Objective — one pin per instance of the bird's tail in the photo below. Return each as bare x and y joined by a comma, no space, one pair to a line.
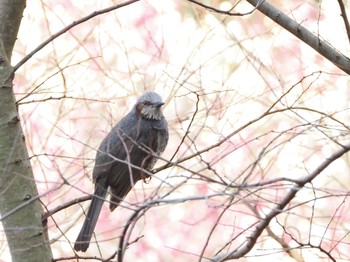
83,240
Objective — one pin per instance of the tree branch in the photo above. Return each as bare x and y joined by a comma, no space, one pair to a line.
216,10
264,222
67,28
11,13
345,18
314,41
323,48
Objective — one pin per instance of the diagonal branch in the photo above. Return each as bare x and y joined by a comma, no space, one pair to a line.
323,48
264,222
314,41
219,11
345,17
67,28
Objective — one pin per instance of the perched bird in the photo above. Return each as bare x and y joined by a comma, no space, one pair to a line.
130,147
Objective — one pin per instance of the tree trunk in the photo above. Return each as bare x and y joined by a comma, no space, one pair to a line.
19,203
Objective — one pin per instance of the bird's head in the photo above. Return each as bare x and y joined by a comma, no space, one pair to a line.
149,105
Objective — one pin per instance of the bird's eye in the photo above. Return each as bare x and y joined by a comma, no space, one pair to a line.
146,103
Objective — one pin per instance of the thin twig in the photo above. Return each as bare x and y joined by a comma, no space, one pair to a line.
67,28
263,224
345,18
219,11
188,128
65,205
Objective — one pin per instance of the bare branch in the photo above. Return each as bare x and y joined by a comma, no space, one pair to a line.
345,18
219,11
322,47
64,206
67,28
263,224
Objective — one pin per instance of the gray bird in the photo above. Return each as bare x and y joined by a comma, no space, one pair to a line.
132,145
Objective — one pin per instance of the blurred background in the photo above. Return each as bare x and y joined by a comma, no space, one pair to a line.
250,108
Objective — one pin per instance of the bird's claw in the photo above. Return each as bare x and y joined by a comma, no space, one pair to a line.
146,178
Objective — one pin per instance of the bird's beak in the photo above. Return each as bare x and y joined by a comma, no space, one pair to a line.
159,104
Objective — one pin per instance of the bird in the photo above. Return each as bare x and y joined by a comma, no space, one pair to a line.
132,146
